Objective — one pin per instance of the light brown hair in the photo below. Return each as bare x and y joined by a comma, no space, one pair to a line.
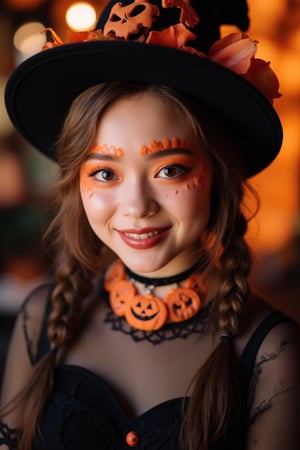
224,256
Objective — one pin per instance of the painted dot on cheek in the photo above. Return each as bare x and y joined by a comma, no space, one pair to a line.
90,193
198,181
87,191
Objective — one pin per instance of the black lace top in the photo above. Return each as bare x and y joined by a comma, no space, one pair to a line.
85,413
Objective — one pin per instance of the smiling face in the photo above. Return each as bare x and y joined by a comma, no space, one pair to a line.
146,185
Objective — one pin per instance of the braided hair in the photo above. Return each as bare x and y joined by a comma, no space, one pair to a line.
80,260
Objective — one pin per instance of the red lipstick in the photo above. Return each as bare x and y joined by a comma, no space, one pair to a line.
143,238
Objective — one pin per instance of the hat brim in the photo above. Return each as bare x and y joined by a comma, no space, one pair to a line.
40,91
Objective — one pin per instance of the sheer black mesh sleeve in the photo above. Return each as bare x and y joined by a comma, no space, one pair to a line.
27,343
8,436
274,401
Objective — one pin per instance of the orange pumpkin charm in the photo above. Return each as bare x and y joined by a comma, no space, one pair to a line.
115,273
182,303
146,312
196,282
120,294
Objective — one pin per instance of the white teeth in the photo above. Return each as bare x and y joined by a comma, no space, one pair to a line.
143,235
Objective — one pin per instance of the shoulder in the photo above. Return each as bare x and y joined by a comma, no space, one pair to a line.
35,304
273,393
37,299
32,318
269,349
265,327
279,350
25,342
34,313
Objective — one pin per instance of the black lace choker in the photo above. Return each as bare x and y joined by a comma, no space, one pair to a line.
160,281
195,325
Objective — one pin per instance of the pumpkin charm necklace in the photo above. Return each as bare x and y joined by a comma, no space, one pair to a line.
147,312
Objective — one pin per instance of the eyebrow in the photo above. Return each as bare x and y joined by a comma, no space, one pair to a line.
102,157
151,156
168,151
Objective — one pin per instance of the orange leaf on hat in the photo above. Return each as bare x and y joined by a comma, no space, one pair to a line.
86,36
175,36
234,52
187,14
263,78
55,39
77,36
73,37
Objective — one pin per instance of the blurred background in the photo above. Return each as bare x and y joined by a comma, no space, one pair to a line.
26,177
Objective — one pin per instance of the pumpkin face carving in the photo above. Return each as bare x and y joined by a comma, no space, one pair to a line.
120,294
182,304
146,312
131,21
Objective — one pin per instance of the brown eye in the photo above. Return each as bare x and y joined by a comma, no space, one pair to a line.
104,175
172,171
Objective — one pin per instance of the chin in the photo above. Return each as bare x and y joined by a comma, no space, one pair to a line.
149,265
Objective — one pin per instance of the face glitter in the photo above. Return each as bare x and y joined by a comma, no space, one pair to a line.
166,144
198,181
108,150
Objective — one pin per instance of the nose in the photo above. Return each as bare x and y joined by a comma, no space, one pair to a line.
137,200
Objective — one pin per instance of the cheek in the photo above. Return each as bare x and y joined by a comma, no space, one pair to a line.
96,203
190,196
189,203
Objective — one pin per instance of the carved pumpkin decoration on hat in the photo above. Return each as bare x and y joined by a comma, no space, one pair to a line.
131,21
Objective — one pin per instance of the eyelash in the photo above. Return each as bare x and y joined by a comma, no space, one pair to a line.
181,170
94,173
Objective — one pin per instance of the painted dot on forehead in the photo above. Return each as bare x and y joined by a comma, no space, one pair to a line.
166,144
112,150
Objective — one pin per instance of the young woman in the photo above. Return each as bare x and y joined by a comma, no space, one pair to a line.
157,343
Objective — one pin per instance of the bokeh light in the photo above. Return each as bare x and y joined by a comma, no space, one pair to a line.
29,38
81,16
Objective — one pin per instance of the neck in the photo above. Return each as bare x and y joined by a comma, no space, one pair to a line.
160,281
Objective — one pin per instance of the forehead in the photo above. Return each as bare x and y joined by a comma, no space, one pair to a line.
140,119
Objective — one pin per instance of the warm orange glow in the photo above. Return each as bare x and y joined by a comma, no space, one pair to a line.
23,5
276,25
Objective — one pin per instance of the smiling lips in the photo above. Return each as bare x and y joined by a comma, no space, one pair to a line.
143,238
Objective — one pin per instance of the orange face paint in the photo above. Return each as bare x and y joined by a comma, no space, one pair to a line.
86,189
190,168
166,144
92,165
198,181
108,150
